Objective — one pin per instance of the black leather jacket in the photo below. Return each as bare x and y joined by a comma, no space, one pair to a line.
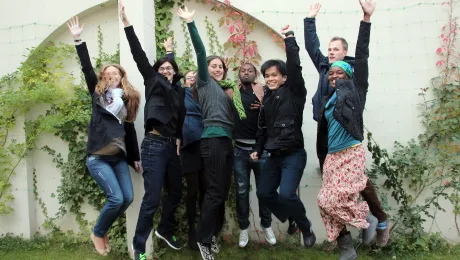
281,115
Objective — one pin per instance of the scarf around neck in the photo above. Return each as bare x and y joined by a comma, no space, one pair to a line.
226,84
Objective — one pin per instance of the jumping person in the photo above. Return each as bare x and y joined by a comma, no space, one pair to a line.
337,51
245,139
191,157
112,141
216,141
339,137
280,133
164,114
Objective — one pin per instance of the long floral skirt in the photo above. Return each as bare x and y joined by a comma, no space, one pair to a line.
343,179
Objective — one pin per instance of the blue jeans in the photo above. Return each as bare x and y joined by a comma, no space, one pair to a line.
161,165
243,164
284,169
111,173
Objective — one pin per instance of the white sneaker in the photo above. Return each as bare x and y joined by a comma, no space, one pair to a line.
244,237
269,235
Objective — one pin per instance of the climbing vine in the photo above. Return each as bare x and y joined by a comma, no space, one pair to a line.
215,48
430,165
38,80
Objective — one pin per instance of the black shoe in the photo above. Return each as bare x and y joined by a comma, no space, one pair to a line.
309,240
292,229
170,240
138,255
214,245
205,251
192,242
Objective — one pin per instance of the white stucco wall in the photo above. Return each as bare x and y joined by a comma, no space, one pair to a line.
402,60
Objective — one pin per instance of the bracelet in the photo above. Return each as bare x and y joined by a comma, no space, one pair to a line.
79,40
289,33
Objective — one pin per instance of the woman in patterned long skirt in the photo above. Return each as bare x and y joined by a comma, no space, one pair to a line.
340,133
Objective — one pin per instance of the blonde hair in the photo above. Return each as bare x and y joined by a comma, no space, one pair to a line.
131,96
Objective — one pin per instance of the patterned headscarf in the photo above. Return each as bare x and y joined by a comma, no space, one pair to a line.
225,84
345,66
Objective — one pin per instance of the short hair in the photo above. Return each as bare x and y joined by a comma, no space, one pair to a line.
279,64
213,57
161,61
344,42
255,69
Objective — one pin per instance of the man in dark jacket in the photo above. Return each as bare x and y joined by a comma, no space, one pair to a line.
280,133
337,51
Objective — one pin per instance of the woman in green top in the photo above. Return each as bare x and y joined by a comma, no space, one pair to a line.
216,144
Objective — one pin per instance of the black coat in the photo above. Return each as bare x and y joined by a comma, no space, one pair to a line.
104,126
351,97
321,63
163,99
281,115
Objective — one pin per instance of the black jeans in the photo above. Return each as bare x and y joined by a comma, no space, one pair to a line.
196,185
161,166
243,165
284,170
217,154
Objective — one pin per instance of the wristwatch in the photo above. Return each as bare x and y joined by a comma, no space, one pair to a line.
289,33
79,40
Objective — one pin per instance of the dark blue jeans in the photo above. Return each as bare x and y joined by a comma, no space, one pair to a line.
243,164
111,173
284,169
161,165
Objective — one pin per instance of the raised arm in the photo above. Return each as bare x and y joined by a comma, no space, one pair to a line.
361,72
198,45
294,79
82,51
311,38
138,53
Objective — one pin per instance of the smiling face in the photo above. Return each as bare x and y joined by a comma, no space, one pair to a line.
336,51
216,69
336,73
247,74
113,75
166,69
273,78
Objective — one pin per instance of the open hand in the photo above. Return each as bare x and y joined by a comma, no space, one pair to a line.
285,29
75,28
168,44
123,16
368,6
314,9
185,14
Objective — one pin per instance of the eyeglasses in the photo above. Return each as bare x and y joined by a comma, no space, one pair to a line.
189,78
161,69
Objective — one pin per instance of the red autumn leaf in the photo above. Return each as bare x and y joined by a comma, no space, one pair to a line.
439,63
227,21
241,37
231,29
442,35
439,51
227,2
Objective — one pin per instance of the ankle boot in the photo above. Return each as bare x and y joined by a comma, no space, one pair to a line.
346,249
